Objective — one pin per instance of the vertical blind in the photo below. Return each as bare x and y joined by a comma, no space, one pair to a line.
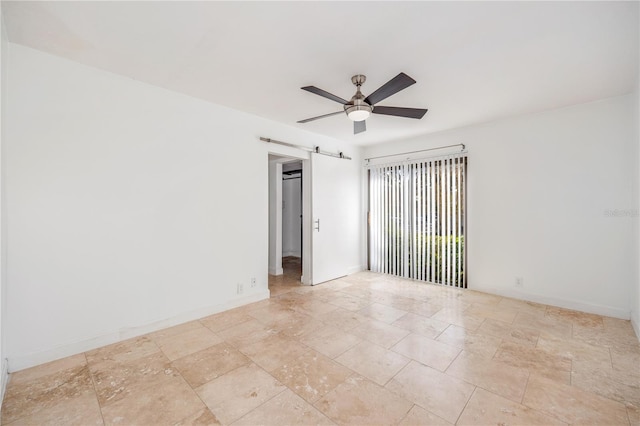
417,219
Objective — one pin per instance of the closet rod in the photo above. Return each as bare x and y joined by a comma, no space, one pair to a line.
315,149
415,152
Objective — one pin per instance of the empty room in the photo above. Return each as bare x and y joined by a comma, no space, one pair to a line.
298,213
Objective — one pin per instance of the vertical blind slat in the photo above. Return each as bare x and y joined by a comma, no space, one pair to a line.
384,221
407,216
420,195
449,224
458,212
432,222
372,232
443,230
445,221
401,239
414,223
394,215
374,220
464,220
428,222
380,224
388,221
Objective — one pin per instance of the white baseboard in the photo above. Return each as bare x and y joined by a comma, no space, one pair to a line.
276,271
291,254
350,270
635,322
354,269
608,311
20,362
4,380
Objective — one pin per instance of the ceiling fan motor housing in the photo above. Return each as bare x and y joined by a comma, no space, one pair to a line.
357,109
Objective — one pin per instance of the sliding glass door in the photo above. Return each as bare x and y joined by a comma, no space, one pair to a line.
417,219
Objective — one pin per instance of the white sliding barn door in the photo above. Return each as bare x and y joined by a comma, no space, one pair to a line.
335,206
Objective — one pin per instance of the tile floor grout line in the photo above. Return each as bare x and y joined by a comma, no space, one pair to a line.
525,387
312,404
571,373
610,357
548,414
286,388
346,350
493,392
206,407
629,417
320,411
237,368
495,352
222,375
465,405
95,388
407,413
269,399
440,334
452,361
399,371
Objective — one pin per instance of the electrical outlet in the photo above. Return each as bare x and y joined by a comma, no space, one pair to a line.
519,282
240,288
253,282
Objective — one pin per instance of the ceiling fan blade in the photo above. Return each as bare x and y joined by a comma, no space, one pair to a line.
320,116
400,112
359,127
325,94
391,87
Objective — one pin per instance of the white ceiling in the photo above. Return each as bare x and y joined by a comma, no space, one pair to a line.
473,61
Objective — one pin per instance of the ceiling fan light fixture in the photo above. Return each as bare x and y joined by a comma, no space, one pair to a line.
358,112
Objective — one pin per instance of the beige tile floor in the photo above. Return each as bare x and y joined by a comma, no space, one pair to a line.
364,349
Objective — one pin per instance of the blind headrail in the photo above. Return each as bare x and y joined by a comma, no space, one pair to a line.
415,152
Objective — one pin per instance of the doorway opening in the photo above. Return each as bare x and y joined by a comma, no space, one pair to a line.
292,219
288,244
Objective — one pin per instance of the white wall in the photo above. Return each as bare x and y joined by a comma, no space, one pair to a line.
291,220
4,49
539,191
275,217
123,217
635,313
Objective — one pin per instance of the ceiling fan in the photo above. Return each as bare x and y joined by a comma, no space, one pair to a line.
360,108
